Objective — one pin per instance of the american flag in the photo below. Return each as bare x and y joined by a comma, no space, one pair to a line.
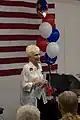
19,24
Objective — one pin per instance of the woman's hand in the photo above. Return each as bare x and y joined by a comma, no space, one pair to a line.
44,83
40,82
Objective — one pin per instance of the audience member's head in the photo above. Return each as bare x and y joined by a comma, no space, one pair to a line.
28,112
68,104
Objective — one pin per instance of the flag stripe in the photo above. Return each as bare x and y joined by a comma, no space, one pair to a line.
18,32
18,71
23,4
15,66
17,60
13,60
12,54
18,26
18,43
20,20
13,49
21,9
20,15
18,37
10,72
15,54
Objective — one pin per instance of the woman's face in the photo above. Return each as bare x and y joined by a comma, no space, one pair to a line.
35,58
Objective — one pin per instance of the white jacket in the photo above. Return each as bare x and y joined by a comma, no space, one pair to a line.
28,92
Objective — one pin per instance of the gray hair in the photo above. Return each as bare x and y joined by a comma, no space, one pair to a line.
32,49
28,112
68,102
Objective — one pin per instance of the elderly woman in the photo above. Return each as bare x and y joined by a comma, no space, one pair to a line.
28,112
68,104
33,81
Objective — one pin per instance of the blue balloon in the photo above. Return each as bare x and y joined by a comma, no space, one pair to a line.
49,60
54,36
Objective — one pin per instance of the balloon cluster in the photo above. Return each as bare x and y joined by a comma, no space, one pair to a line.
48,38
48,33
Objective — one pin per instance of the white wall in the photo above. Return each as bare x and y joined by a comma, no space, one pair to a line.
59,12
10,96
68,22
72,38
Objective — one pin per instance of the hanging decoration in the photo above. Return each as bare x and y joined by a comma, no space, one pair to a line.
50,19
47,41
52,49
49,60
42,43
42,8
54,35
45,30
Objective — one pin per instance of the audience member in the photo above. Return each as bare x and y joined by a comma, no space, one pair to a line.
28,112
68,105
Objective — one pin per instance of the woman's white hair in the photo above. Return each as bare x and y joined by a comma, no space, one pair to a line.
28,112
32,49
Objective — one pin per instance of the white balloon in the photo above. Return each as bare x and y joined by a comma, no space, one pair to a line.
45,29
52,49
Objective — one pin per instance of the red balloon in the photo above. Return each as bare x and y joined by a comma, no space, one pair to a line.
42,43
50,19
